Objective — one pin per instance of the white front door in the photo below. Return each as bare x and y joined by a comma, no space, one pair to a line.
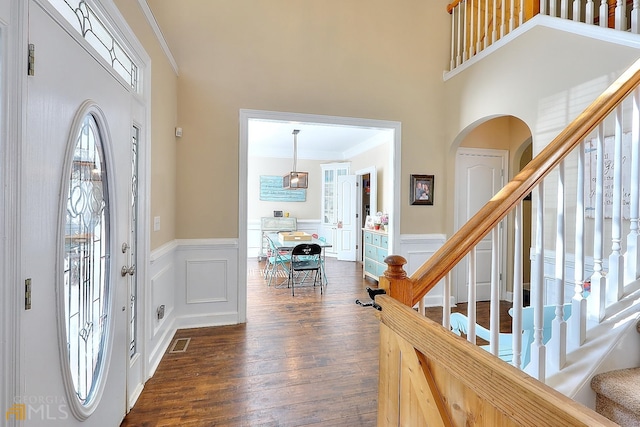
75,201
347,218
479,175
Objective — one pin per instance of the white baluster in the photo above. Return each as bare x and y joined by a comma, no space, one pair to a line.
604,13
588,11
537,366
479,30
621,15
558,343
494,312
597,299
632,256
465,53
553,11
543,7
578,319
516,324
459,50
503,22
564,9
494,33
486,24
577,10
615,281
635,17
471,299
521,20
512,16
472,31
446,302
452,65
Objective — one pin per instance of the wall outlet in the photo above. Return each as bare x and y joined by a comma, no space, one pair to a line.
156,223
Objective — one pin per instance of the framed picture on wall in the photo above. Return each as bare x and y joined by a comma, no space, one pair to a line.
421,191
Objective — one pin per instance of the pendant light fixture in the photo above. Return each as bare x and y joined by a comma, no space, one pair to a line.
295,180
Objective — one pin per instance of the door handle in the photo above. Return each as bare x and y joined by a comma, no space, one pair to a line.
128,270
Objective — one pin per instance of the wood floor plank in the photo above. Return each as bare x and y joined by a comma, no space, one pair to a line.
308,360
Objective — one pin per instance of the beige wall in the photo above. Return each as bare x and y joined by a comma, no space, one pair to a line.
380,158
164,104
359,58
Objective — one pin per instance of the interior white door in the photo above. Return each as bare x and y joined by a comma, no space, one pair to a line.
479,175
66,78
347,218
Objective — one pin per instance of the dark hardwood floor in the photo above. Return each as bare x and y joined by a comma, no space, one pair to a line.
308,360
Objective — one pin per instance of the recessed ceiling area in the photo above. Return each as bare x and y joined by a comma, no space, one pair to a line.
316,141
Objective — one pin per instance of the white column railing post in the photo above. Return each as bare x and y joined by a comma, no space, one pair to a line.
452,63
543,7
494,32
465,41
604,13
553,9
521,20
632,256
446,302
577,10
537,366
596,302
516,323
615,280
471,297
588,11
578,319
479,27
564,9
503,22
635,17
459,50
621,15
487,39
494,311
558,343
512,16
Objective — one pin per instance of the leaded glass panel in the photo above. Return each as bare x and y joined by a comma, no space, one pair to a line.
86,261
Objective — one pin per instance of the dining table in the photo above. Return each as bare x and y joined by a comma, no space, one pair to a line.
288,245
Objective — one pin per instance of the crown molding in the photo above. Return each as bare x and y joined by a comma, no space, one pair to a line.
146,10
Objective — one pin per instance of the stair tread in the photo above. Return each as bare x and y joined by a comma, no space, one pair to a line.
621,386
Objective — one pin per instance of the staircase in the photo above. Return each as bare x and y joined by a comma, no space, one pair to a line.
585,252
618,394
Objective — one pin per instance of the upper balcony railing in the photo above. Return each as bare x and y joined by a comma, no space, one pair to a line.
478,24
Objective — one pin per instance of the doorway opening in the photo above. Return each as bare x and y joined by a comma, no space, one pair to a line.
275,153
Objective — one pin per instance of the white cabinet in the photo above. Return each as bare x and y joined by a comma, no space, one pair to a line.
274,225
329,214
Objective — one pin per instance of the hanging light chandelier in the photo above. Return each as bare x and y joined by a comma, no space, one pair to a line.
295,180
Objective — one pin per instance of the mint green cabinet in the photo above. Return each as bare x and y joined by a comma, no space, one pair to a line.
376,249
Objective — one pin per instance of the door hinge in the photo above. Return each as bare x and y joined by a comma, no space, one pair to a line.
31,67
27,294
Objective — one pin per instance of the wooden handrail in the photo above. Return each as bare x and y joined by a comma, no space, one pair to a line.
522,399
488,217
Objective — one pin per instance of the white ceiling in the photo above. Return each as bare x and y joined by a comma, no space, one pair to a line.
316,141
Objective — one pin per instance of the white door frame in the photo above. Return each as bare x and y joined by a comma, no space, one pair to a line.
244,117
504,154
13,91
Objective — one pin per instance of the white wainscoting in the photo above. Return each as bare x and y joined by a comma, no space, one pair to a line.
159,332
416,249
197,282
207,282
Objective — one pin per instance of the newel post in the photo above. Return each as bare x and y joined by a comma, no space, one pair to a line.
395,280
